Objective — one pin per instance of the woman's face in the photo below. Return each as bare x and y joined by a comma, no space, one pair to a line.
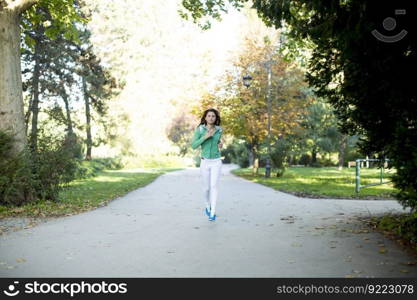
210,117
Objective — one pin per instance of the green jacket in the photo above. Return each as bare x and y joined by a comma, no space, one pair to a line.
209,147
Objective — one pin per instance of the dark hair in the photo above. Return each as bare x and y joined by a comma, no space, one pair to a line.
203,118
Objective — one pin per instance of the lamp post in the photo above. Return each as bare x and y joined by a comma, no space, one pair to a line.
246,82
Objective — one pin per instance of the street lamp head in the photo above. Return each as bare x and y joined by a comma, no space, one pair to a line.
247,79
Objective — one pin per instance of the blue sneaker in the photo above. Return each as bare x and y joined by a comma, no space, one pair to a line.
207,211
212,218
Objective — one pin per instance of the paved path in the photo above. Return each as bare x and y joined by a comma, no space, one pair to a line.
160,231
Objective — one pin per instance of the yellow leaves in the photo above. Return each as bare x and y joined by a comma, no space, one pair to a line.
382,250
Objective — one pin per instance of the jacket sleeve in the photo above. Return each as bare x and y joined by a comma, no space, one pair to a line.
220,137
197,139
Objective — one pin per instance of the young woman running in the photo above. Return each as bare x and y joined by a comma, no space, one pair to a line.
208,135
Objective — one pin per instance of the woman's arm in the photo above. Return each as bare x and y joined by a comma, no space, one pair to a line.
197,139
220,142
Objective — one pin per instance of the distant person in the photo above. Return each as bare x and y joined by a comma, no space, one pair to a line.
208,134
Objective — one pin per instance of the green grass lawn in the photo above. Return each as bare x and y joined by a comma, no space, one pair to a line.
323,182
87,194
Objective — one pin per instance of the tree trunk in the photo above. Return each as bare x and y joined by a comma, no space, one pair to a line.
290,160
250,156
28,114
35,102
12,117
255,159
88,120
314,155
68,111
342,151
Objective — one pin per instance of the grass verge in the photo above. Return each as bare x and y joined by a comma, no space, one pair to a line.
399,227
87,194
323,182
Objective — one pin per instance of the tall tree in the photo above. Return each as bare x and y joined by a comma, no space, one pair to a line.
11,100
97,84
321,134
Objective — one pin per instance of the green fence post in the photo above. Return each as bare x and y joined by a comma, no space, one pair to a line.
358,180
382,170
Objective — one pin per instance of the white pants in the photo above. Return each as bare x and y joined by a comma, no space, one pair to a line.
210,170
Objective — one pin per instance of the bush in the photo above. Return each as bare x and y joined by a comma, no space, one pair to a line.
91,168
241,154
305,159
17,183
352,155
325,162
403,225
36,174
279,155
228,154
316,164
236,153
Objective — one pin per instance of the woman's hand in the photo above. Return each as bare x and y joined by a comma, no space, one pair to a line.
209,133
220,144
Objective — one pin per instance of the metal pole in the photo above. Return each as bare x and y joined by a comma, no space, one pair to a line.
358,179
382,171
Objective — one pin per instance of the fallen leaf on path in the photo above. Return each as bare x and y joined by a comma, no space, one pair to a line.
382,250
20,259
404,271
409,263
